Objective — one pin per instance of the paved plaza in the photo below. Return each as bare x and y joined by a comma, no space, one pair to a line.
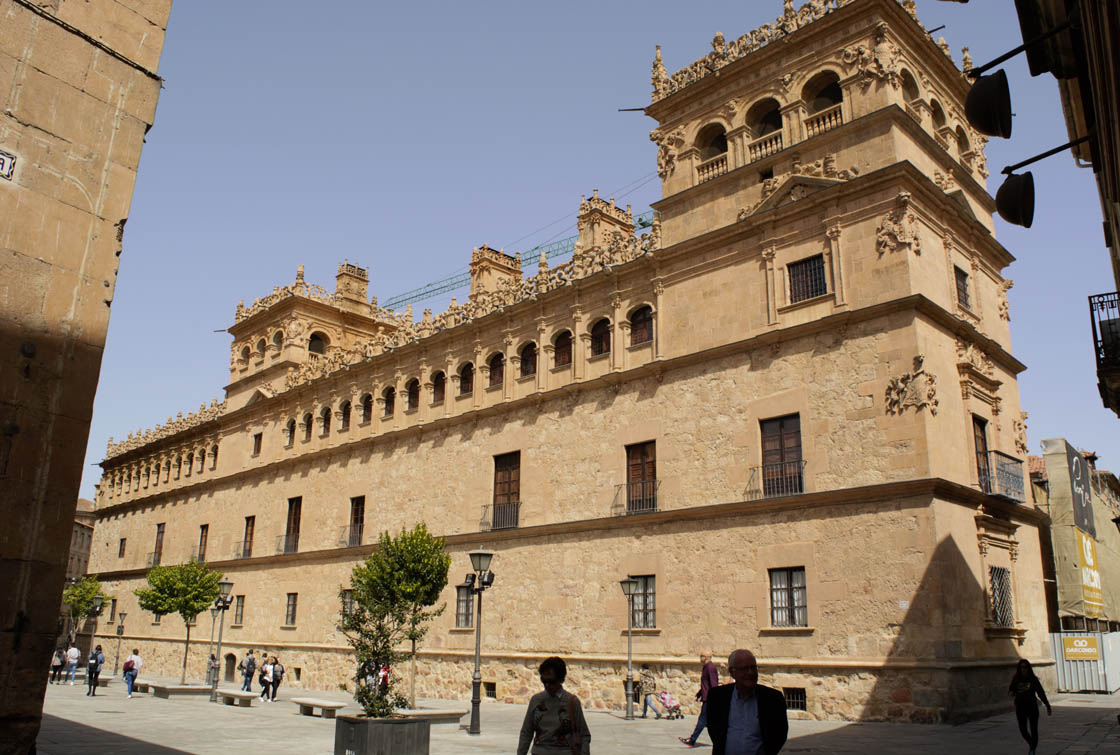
74,724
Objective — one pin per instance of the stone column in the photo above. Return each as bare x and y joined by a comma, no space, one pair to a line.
768,253
617,348
544,364
793,123
580,341
622,348
479,376
833,261
450,384
425,391
658,298
511,363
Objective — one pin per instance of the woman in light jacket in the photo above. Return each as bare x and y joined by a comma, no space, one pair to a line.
554,723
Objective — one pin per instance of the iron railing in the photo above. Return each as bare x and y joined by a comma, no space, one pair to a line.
154,558
635,497
1001,475
243,549
351,535
775,480
1104,313
287,543
501,516
199,555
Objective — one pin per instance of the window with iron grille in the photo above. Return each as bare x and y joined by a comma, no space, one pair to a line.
497,369
439,387
641,326
238,609
1003,615
600,337
464,607
157,618
347,601
290,611
641,477
962,287
788,598
529,360
782,465
491,689
563,354
645,602
466,379
795,698
507,478
120,548
807,279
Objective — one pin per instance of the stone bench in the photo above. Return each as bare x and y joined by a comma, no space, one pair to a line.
435,715
167,691
244,699
307,706
141,687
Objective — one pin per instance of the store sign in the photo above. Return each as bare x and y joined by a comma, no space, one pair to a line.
7,165
1080,486
1081,648
1091,594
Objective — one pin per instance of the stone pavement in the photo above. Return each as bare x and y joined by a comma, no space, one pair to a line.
74,724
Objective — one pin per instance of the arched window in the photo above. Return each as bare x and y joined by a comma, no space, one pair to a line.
641,326
601,337
466,379
937,114
344,420
563,349
497,366
962,141
367,407
167,471
202,460
412,395
389,401
290,432
245,354
307,423
190,464
822,92
278,340
764,118
214,456
711,141
529,359
261,346
909,87
439,387
317,343
325,420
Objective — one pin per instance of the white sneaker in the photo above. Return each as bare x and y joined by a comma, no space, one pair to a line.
71,684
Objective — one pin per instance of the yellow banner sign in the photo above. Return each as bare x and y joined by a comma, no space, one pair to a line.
1091,594
1081,648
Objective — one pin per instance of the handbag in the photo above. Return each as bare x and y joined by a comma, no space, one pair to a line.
128,666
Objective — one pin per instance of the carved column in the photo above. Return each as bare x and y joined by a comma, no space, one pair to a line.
616,332
399,402
832,260
510,367
580,343
450,384
793,123
425,391
658,299
622,348
768,253
544,356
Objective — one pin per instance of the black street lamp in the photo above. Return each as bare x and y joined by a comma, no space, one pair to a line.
94,612
210,648
629,587
222,604
477,582
120,634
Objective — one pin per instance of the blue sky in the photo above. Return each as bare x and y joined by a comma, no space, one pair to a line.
401,135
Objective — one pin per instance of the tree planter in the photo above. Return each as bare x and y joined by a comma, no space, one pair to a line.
357,735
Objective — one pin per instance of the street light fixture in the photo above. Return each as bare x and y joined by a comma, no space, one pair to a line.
221,604
629,587
120,634
93,613
481,579
210,647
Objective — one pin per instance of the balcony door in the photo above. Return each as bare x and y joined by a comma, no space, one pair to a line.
983,462
641,477
781,456
507,490
291,531
357,520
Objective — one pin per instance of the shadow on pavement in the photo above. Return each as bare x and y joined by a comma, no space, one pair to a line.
59,735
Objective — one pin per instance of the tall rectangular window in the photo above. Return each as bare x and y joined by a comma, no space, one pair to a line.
238,609
645,603
807,279
962,287
788,598
563,349
291,529
156,618
1003,612
120,548
357,520
347,601
983,463
258,439
782,464
641,477
157,551
464,607
507,490
247,539
203,536
290,610
112,610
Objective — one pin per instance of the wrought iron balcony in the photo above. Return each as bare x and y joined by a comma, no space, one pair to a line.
1001,475
635,497
287,543
776,480
501,516
154,558
243,550
351,535
199,555
1104,313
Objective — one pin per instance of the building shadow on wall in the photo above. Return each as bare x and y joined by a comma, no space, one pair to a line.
60,735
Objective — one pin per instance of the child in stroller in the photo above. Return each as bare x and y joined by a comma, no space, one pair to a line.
671,706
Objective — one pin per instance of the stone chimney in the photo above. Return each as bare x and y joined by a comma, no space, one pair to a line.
490,267
351,287
599,219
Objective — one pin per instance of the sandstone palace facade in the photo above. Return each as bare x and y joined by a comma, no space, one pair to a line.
789,408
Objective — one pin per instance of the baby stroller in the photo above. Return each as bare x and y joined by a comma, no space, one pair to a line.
671,706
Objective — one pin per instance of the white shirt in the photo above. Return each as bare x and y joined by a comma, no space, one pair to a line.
72,655
744,735
136,661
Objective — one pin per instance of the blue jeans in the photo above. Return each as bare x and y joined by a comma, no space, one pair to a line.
701,723
130,679
248,685
648,702
70,669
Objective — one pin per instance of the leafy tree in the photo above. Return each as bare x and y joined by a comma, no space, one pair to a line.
79,597
186,589
393,592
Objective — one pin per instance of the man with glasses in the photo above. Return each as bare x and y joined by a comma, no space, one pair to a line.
746,718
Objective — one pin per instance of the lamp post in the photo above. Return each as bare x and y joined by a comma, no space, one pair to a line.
478,581
220,604
629,587
210,648
94,612
120,634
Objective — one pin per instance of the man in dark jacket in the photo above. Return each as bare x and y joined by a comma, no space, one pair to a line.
709,680
746,717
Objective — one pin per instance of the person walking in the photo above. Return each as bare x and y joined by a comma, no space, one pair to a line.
709,679
72,656
131,669
648,686
58,660
248,667
212,670
554,723
746,717
277,676
1027,691
93,670
266,679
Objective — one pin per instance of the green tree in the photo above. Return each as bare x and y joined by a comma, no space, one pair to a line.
186,589
392,599
79,598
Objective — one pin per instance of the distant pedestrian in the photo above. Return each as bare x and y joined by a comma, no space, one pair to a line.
709,680
212,669
746,717
648,687
248,667
277,676
132,666
554,723
58,661
93,670
72,656
266,679
1027,691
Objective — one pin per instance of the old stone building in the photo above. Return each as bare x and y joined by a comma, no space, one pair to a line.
78,91
789,409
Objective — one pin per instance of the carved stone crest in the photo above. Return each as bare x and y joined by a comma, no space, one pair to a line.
899,228
917,389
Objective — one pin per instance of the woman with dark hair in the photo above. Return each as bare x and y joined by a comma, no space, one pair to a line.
554,723
1025,687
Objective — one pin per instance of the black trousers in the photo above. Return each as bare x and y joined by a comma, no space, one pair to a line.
1027,715
91,679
